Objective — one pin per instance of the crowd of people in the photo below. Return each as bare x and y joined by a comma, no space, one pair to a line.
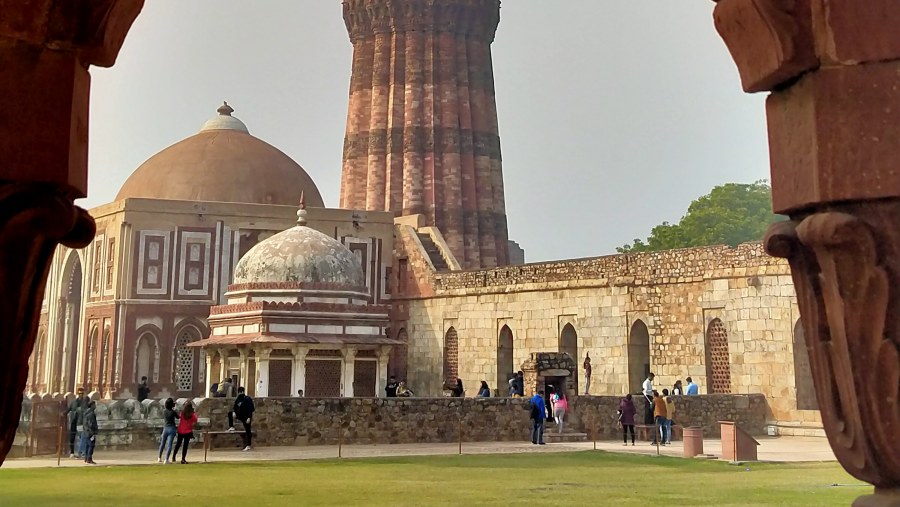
178,427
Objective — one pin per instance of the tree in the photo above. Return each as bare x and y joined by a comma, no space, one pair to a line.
730,214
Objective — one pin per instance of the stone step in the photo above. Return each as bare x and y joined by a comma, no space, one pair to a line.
566,436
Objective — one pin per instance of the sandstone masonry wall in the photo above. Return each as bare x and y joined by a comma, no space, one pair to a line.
676,294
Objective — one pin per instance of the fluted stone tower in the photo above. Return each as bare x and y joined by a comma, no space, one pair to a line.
422,133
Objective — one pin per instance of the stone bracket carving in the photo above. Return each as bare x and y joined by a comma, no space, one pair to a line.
34,219
843,274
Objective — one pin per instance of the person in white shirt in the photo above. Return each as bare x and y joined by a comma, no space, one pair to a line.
647,391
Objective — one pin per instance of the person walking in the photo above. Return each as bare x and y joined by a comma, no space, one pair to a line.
168,432
670,415
692,388
82,430
520,384
90,429
187,420
143,390
659,416
75,415
243,410
538,410
627,412
484,391
677,390
647,391
560,407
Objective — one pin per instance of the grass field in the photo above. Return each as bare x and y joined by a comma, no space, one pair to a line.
579,478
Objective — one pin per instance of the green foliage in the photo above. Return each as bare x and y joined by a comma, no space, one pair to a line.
730,214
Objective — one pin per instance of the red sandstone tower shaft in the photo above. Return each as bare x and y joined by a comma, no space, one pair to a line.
422,133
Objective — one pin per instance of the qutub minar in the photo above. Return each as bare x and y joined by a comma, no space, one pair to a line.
422,133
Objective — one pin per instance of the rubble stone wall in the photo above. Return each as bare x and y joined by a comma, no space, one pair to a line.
129,424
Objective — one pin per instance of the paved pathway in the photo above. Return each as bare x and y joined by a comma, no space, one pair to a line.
783,449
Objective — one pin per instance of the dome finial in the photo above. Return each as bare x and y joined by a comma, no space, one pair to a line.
301,212
225,109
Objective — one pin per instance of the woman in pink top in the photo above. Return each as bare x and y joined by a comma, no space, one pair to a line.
560,407
186,424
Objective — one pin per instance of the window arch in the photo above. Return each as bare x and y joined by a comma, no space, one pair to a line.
505,351
718,359
38,361
104,360
90,357
183,359
146,357
451,355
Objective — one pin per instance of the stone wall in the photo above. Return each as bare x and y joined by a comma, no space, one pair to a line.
306,421
677,294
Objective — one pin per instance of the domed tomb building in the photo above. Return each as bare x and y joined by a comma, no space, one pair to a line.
165,252
299,304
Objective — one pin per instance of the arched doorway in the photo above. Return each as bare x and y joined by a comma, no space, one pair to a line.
183,359
505,366
718,360
38,360
638,355
568,343
451,356
66,353
806,390
146,360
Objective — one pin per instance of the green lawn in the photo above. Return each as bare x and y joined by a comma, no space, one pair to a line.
581,478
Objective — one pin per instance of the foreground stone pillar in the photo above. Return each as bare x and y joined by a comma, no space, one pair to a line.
299,377
45,50
833,67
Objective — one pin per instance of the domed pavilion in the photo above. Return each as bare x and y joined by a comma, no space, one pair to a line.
167,249
299,304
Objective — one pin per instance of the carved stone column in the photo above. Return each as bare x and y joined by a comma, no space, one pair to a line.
45,50
422,134
833,67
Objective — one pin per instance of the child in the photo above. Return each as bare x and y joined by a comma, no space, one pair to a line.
185,430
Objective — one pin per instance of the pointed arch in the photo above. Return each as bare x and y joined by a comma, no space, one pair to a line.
505,366
184,358
718,358
638,355
66,353
803,381
451,355
568,343
146,354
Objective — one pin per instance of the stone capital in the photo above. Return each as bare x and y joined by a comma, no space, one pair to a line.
472,18
771,41
833,137
349,353
300,353
46,47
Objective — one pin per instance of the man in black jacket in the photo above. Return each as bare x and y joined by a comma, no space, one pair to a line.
243,410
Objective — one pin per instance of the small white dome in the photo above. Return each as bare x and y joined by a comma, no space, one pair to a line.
300,254
224,121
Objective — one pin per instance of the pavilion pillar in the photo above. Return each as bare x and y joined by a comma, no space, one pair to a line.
384,355
245,368
298,379
262,372
209,372
349,362
833,70
223,364
45,51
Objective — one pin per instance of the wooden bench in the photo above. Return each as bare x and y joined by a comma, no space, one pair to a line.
208,440
646,432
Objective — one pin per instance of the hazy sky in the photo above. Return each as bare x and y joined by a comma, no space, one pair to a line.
614,115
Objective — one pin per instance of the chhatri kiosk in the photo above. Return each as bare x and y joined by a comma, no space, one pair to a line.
299,312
